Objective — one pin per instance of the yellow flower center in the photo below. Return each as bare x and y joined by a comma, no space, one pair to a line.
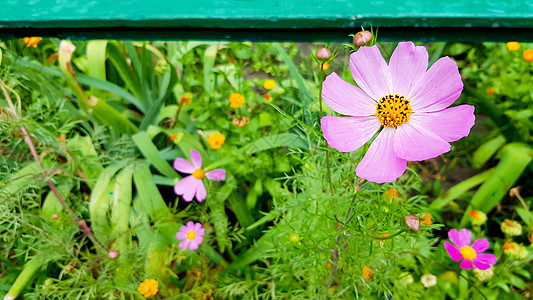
199,174
191,235
468,253
393,110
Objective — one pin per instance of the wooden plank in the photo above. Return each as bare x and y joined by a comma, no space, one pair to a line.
268,20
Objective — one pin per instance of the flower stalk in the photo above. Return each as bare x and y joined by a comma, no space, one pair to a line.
322,76
79,222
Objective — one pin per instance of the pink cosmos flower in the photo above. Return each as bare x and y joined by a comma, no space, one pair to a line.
192,235
192,185
469,254
405,99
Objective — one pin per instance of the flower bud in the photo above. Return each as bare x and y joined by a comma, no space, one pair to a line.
483,275
477,217
323,54
294,238
113,254
362,38
428,280
55,216
413,222
511,228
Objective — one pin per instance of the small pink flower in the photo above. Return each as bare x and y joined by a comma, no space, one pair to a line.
406,100
469,254
192,185
192,235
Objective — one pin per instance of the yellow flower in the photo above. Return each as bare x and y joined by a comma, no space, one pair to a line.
32,41
324,66
528,55
216,140
513,46
236,100
367,273
269,84
148,288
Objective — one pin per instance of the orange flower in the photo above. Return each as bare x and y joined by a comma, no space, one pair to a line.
427,221
236,100
324,66
186,100
267,97
32,41
391,194
528,55
367,273
173,137
148,288
216,140
513,46
508,246
490,91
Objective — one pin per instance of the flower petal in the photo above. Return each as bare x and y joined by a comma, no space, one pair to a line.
196,159
454,253
201,193
487,258
190,226
216,175
440,86
480,265
198,240
193,245
413,142
184,244
347,134
481,245
451,124
407,64
197,226
184,166
345,98
466,264
181,235
453,234
186,187
200,231
465,237
380,164
371,72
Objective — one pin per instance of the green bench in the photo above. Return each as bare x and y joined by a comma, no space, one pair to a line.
267,20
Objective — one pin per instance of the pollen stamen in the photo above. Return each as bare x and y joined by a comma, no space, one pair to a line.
393,110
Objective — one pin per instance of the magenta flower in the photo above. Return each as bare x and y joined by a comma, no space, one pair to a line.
192,235
405,99
469,254
192,185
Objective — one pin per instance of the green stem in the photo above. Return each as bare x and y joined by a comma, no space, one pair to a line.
322,75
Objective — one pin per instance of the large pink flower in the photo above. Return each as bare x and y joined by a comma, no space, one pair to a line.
192,185
192,235
405,99
469,254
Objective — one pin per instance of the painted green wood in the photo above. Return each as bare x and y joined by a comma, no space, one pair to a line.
268,19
